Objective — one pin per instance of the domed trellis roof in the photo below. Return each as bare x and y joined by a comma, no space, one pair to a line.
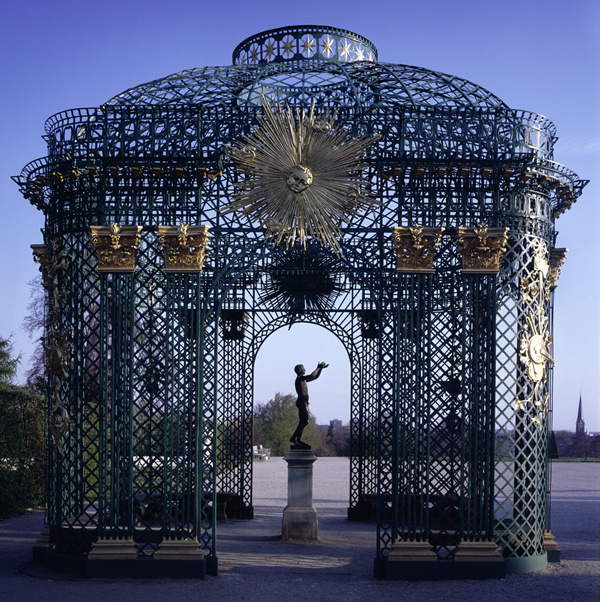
302,64
337,71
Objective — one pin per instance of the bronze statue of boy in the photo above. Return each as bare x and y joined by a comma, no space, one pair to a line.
302,402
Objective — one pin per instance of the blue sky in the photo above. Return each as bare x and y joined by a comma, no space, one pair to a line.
538,55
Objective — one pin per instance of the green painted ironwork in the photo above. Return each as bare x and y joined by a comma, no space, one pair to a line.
160,374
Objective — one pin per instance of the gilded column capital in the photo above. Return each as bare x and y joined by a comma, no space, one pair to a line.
481,248
415,248
40,256
556,261
116,246
184,247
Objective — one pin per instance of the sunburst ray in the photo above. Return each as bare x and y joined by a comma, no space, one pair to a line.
303,172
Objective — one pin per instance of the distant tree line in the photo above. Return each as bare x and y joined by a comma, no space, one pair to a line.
566,444
22,439
276,420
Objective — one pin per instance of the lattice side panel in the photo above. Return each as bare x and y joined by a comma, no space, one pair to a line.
206,430
235,366
147,436
247,422
386,462
448,366
73,489
90,369
412,414
356,410
230,433
180,406
522,535
507,334
476,508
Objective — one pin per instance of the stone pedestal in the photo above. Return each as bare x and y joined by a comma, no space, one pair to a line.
299,516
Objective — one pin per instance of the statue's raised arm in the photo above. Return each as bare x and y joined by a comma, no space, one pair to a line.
316,372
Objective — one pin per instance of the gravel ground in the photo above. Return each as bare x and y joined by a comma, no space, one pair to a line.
255,564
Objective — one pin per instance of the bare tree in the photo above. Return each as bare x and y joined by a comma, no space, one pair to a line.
33,325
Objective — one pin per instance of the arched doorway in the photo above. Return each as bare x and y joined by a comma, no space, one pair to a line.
308,344
296,287
329,400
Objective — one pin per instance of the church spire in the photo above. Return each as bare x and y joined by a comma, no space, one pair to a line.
580,424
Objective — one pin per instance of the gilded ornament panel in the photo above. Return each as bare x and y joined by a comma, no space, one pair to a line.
184,247
415,248
481,249
116,247
535,341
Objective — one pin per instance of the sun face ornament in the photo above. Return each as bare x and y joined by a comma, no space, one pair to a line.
300,179
301,176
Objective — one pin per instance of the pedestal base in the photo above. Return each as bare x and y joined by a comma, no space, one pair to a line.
299,517
42,546
300,523
113,549
412,551
551,547
478,551
417,560
179,549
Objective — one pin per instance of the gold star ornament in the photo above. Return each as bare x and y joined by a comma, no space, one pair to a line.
301,172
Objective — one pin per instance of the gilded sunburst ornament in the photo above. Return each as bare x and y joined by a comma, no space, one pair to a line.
301,176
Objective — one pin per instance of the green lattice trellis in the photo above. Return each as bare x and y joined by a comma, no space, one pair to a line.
159,380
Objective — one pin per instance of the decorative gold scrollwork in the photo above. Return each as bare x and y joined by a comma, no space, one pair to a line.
116,246
535,339
184,247
415,248
481,249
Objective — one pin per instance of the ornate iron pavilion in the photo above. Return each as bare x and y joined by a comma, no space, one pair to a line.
409,212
